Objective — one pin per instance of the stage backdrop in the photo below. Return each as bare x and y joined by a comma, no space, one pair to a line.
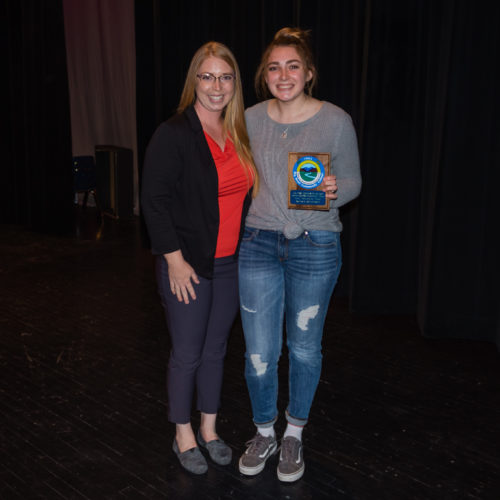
36,169
420,79
100,46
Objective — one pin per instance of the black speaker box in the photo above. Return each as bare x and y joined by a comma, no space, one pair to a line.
115,180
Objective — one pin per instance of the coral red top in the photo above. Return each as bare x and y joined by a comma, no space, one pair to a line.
233,186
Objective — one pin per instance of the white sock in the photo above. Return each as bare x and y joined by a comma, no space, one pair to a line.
294,431
266,431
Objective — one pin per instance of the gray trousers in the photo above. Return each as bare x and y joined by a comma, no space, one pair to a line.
198,332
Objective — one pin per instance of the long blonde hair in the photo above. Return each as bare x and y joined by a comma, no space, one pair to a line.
234,112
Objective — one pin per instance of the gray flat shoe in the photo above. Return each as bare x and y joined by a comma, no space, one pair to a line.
192,460
219,451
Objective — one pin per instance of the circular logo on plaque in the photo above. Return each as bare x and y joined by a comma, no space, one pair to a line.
308,172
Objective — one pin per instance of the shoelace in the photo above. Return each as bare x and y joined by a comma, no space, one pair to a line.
257,443
287,448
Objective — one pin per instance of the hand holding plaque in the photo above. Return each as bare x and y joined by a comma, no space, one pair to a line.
306,172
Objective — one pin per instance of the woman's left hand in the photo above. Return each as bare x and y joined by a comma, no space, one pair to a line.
329,186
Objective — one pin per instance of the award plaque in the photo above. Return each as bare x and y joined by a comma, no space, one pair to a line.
305,174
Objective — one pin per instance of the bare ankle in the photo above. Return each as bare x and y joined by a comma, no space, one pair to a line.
185,437
207,426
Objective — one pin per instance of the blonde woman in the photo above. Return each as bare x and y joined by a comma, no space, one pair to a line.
197,183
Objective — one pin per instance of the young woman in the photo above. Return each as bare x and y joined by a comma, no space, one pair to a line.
197,181
290,258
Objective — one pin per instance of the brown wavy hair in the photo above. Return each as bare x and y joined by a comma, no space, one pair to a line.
234,112
287,37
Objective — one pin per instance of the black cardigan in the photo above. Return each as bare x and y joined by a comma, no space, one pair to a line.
179,194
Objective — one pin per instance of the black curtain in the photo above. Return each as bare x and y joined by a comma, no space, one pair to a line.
420,79
426,235
459,290
37,172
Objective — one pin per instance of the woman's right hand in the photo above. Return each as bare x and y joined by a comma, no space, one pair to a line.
181,276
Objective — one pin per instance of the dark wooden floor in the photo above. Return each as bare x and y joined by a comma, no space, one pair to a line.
83,410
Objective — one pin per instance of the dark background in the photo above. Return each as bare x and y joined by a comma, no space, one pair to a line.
420,79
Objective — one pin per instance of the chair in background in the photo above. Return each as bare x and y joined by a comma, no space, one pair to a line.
85,178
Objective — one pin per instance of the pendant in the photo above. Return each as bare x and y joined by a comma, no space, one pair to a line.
284,134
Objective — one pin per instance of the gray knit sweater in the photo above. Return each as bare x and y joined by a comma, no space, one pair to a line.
330,130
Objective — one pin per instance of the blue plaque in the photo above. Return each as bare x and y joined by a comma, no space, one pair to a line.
306,172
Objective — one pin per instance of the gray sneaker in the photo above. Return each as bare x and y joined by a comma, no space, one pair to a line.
291,465
259,449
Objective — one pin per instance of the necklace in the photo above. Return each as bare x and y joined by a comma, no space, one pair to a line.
284,134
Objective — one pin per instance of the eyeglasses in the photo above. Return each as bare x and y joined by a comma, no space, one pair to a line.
210,78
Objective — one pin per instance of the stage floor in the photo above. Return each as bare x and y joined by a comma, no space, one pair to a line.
83,349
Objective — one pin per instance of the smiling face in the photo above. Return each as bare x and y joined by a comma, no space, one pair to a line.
286,74
213,96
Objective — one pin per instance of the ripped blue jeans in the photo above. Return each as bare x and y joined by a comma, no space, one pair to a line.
293,279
